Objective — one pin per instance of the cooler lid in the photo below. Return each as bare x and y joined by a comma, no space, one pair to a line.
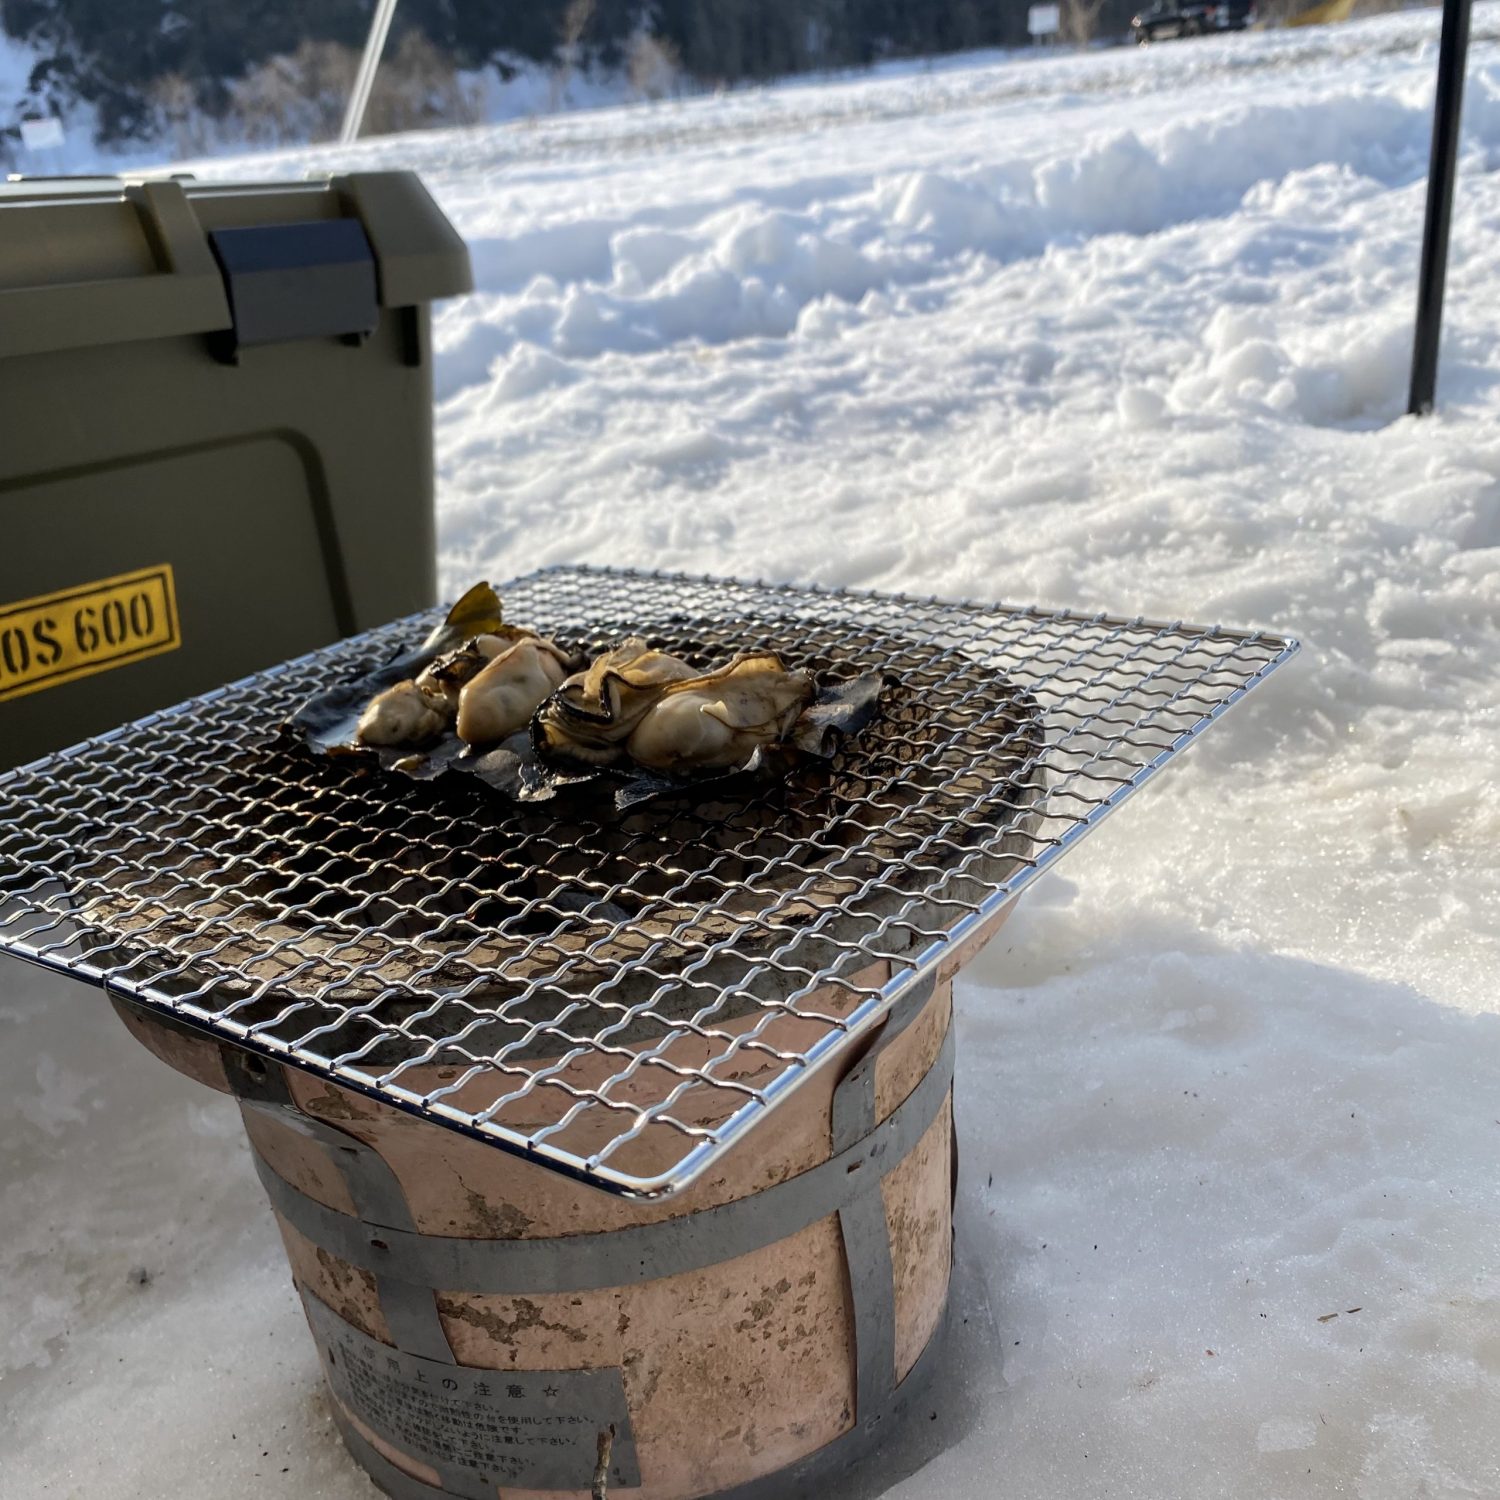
91,261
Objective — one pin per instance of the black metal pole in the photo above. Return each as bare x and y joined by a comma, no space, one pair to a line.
1453,52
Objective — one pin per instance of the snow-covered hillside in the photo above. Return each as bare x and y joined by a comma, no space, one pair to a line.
1128,332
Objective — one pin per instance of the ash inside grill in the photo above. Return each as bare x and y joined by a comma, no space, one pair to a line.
563,978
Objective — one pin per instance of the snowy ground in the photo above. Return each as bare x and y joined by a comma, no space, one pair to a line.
1126,331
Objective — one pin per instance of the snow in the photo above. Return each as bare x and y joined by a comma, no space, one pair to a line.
76,155
1125,331
16,62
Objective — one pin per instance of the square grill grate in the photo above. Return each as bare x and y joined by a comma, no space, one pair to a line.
618,995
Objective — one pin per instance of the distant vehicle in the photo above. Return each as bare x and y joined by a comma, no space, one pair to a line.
1172,18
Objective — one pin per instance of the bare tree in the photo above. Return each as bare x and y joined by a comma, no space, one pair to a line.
419,88
653,66
575,22
180,116
1080,20
300,96
295,97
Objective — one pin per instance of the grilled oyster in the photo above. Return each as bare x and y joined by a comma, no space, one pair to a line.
717,721
587,721
450,673
416,709
406,714
502,695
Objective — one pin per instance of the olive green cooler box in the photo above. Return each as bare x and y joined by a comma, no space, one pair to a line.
215,433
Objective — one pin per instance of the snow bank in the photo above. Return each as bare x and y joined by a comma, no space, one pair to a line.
1125,332
763,269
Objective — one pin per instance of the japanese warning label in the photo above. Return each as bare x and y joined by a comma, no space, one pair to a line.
536,1429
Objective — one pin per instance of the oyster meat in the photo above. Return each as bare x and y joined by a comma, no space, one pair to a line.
404,714
487,688
588,720
418,709
450,673
716,722
415,710
652,723
509,687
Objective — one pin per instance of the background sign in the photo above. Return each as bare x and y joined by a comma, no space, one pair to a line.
1044,20
42,135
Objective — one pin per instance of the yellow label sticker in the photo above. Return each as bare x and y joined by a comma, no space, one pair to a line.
79,631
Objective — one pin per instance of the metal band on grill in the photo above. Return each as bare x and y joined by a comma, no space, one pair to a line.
577,1263
862,1221
409,1307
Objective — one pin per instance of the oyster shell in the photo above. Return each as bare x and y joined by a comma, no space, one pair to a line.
508,688
717,721
587,721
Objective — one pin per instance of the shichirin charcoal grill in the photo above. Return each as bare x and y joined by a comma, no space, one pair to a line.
442,1012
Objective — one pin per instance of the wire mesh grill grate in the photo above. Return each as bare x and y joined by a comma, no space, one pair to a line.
619,996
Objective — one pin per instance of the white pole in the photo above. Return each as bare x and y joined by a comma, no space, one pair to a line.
364,80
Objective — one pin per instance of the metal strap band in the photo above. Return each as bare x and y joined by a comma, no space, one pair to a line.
806,1478
853,1113
867,1248
410,1310
252,1078
862,1221
411,1315
576,1263
809,1478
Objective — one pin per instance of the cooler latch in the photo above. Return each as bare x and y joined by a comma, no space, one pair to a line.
314,279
